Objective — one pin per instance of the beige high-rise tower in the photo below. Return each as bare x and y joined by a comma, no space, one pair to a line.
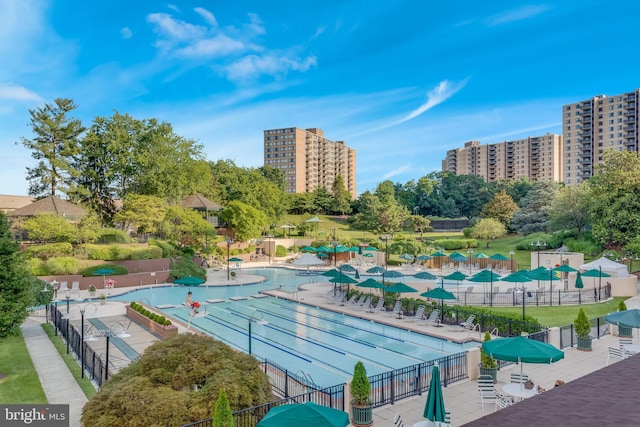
309,160
589,127
538,158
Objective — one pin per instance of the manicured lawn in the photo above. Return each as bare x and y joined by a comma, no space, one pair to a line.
564,314
22,384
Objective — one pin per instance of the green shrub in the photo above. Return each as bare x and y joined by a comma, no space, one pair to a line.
167,322
168,251
454,244
161,320
486,360
581,325
63,265
151,252
37,267
49,250
281,251
622,306
111,235
466,232
360,385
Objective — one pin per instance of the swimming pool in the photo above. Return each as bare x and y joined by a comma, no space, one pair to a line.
308,340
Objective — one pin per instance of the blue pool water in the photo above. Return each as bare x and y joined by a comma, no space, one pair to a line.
307,340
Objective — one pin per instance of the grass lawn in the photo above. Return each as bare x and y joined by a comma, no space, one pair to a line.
22,384
564,314
85,384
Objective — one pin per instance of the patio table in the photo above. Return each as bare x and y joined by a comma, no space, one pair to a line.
519,391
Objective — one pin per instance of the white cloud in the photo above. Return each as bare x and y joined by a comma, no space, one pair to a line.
525,12
220,45
252,66
126,33
18,93
397,171
208,16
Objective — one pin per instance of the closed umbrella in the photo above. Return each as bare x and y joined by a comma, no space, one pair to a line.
308,414
441,294
434,408
579,286
189,281
357,276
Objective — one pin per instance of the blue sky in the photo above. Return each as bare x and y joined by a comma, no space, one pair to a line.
402,82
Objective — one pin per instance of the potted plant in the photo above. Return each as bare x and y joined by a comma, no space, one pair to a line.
488,365
92,291
582,328
361,407
624,331
103,299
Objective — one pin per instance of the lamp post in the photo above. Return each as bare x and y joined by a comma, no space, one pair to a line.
335,251
386,238
229,241
83,309
511,254
469,251
253,319
67,296
522,290
550,282
538,245
269,236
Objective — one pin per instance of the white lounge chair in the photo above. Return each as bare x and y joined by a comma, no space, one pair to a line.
397,421
434,317
350,301
418,316
468,324
397,309
365,305
519,378
379,306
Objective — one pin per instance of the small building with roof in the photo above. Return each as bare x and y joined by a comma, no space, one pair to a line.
206,207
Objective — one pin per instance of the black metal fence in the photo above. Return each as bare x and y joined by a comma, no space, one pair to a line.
533,297
93,365
599,328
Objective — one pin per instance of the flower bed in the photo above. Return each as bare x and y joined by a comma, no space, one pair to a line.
162,331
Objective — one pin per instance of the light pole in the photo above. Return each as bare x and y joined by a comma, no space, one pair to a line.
259,321
550,282
538,245
511,254
229,241
269,236
83,309
386,238
522,290
335,251
469,251
67,296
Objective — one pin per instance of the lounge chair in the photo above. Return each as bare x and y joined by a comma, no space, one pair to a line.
615,354
434,317
624,342
75,286
468,324
366,303
351,300
418,316
359,302
487,391
397,309
64,286
379,306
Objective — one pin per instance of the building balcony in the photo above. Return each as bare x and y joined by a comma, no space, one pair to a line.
630,113
630,135
630,106
629,97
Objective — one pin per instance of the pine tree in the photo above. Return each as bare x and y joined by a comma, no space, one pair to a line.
222,415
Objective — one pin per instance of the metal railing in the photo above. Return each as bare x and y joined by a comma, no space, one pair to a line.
599,328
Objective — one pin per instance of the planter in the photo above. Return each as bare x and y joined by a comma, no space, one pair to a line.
625,331
584,344
493,372
103,301
361,415
160,330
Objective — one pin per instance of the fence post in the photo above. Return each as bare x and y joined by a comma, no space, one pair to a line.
286,383
393,388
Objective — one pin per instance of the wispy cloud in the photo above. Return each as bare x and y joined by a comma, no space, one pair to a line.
397,171
126,33
18,93
522,13
249,67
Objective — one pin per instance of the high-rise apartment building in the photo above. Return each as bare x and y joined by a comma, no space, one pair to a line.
597,124
309,160
537,158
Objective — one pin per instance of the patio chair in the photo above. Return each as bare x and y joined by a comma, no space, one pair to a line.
366,303
64,286
615,354
487,391
397,309
519,378
379,306
351,300
418,316
434,317
503,401
75,286
359,302
468,324
397,421
624,342
334,299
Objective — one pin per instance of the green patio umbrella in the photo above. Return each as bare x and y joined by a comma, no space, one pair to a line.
355,249
308,414
400,287
423,257
457,276
441,294
322,255
480,255
439,253
498,257
308,249
368,255
391,274
371,248
324,249
486,276
579,286
376,270
434,408
565,269
458,257
371,283
189,281
596,272
347,267
406,257
628,318
425,275
103,272
331,273
235,259
522,350
343,279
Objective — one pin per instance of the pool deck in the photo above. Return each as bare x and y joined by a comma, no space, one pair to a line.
461,398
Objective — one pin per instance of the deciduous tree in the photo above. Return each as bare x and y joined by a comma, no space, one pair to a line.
571,208
488,229
246,221
501,207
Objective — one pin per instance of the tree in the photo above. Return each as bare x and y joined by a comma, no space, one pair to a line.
533,216
186,227
222,416
322,200
17,285
489,229
175,382
369,210
143,212
420,223
49,227
501,207
341,198
54,146
571,208
246,221
615,202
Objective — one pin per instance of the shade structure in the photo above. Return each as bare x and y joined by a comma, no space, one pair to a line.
441,294
331,273
355,249
371,283
628,318
235,259
376,270
423,257
425,275
480,255
189,281
314,219
522,349
400,287
322,255
434,407
392,274
498,257
308,249
595,273
308,414
307,260
324,249
457,257
348,268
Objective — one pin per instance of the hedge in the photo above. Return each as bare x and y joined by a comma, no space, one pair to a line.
49,250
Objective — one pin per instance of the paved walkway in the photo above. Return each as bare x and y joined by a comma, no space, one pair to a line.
461,398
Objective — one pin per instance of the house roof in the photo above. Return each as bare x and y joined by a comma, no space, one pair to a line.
10,203
51,204
603,397
199,202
